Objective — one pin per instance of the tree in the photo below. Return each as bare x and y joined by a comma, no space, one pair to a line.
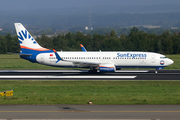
3,48
113,34
167,42
9,42
45,41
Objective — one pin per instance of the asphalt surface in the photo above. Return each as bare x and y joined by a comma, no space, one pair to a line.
125,112
99,112
83,75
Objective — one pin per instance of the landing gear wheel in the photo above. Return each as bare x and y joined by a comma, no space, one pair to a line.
156,71
92,71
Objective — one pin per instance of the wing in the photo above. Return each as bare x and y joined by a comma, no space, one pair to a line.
79,63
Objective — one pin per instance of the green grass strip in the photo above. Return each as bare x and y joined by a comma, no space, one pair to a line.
99,92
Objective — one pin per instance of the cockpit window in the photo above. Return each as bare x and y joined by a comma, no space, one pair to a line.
163,57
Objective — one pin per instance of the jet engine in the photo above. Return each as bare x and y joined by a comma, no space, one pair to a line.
107,68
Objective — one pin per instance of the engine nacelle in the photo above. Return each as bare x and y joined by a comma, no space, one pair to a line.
107,68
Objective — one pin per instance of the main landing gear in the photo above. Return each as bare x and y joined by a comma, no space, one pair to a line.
92,71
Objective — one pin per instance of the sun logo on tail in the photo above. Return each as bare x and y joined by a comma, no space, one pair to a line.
24,35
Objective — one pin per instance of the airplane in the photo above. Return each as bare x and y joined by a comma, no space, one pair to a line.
98,61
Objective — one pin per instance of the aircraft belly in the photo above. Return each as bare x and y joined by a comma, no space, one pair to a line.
130,63
133,63
64,63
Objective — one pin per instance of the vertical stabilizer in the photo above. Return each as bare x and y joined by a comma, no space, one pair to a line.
26,41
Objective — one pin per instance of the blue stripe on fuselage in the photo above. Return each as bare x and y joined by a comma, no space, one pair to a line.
34,53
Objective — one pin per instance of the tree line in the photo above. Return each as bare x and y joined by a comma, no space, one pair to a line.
165,43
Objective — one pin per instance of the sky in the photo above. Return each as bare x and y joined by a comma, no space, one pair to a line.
55,4
26,10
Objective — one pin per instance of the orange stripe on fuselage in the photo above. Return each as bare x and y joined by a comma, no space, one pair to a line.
38,49
107,66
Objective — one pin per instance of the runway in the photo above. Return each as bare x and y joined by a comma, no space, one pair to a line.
83,75
98,112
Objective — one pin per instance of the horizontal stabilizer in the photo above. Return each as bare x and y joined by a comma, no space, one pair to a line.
20,54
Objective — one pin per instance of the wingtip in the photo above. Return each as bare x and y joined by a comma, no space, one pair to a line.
81,45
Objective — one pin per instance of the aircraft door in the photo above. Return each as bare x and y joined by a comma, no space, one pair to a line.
42,58
153,58
142,61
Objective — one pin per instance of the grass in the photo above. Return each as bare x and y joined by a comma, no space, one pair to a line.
81,92
99,92
176,59
15,62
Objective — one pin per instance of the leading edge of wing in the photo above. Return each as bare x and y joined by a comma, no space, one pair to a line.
75,62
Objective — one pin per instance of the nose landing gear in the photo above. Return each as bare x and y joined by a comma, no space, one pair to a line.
159,68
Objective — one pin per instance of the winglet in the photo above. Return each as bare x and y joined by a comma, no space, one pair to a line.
54,50
83,48
57,56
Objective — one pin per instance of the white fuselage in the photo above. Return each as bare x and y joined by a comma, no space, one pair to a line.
118,59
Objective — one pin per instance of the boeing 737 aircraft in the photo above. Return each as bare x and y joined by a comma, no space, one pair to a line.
96,61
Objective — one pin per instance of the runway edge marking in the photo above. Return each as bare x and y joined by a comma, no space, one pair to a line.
128,77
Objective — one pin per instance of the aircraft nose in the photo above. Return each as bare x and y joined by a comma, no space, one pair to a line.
170,61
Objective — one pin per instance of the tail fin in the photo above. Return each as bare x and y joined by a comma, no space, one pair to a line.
26,41
83,48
